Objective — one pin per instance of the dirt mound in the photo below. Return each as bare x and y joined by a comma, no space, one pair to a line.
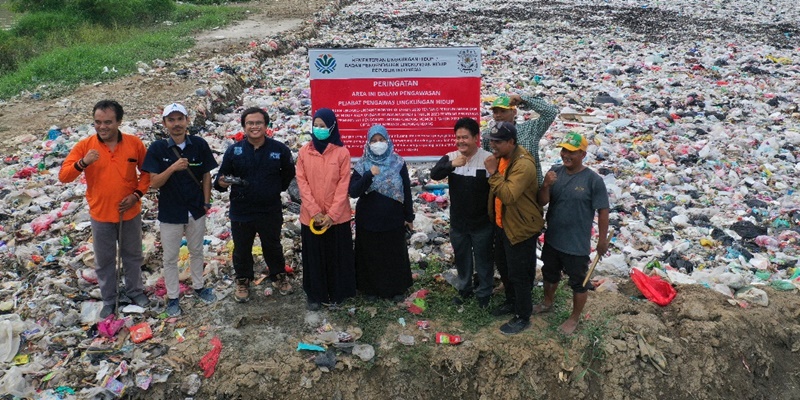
699,347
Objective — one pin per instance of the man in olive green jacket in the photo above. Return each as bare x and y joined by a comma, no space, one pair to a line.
518,221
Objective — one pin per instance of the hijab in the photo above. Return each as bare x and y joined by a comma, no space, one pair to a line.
329,118
388,182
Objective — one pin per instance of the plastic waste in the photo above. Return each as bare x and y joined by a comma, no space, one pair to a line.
753,295
13,383
653,288
310,347
141,332
783,285
209,361
364,351
191,385
407,340
11,326
446,338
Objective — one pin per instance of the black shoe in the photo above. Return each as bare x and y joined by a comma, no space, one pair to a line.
141,300
462,297
398,298
516,325
504,309
107,310
483,302
371,298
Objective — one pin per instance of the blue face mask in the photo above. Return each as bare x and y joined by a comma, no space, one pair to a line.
321,133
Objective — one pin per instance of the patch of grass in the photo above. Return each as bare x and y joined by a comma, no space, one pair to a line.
372,318
90,48
595,330
414,357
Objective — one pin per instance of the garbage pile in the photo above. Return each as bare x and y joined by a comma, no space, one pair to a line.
691,113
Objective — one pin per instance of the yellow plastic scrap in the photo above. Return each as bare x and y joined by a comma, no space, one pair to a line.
779,60
707,242
22,359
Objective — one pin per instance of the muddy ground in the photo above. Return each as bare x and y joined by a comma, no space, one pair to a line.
712,349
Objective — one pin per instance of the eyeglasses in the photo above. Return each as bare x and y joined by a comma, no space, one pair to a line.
254,123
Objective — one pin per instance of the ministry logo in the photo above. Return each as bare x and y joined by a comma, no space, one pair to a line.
468,61
325,63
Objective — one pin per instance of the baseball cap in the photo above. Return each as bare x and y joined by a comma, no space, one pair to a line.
502,102
574,141
174,107
503,131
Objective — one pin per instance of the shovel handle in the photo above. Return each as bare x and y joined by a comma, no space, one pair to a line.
597,259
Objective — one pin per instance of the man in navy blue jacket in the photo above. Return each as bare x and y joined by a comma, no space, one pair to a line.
257,169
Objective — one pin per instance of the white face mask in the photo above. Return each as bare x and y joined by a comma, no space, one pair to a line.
378,148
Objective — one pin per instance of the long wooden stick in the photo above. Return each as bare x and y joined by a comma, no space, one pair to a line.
597,257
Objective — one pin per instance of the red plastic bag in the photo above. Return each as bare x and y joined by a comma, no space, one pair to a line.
209,361
653,287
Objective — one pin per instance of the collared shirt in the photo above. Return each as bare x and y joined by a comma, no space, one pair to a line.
268,171
115,175
180,195
530,132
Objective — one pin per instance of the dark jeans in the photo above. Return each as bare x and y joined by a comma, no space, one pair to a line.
472,247
517,266
268,229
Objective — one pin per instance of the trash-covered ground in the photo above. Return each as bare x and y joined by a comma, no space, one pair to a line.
692,112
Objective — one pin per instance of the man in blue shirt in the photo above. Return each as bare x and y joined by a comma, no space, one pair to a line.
180,168
257,169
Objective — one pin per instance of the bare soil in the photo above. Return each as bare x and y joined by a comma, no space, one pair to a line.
712,349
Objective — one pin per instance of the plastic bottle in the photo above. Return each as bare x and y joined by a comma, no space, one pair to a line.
446,338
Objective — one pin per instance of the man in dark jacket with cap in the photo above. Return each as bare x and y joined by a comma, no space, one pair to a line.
518,221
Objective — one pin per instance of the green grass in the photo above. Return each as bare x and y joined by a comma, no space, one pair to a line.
90,48
592,331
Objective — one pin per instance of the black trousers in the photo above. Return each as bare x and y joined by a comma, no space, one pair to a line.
517,266
268,229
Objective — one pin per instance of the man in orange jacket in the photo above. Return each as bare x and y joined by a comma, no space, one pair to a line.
115,184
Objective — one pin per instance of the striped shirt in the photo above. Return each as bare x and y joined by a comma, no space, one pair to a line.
529,133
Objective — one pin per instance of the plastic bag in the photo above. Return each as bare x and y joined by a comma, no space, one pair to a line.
10,328
653,288
209,361
14,384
